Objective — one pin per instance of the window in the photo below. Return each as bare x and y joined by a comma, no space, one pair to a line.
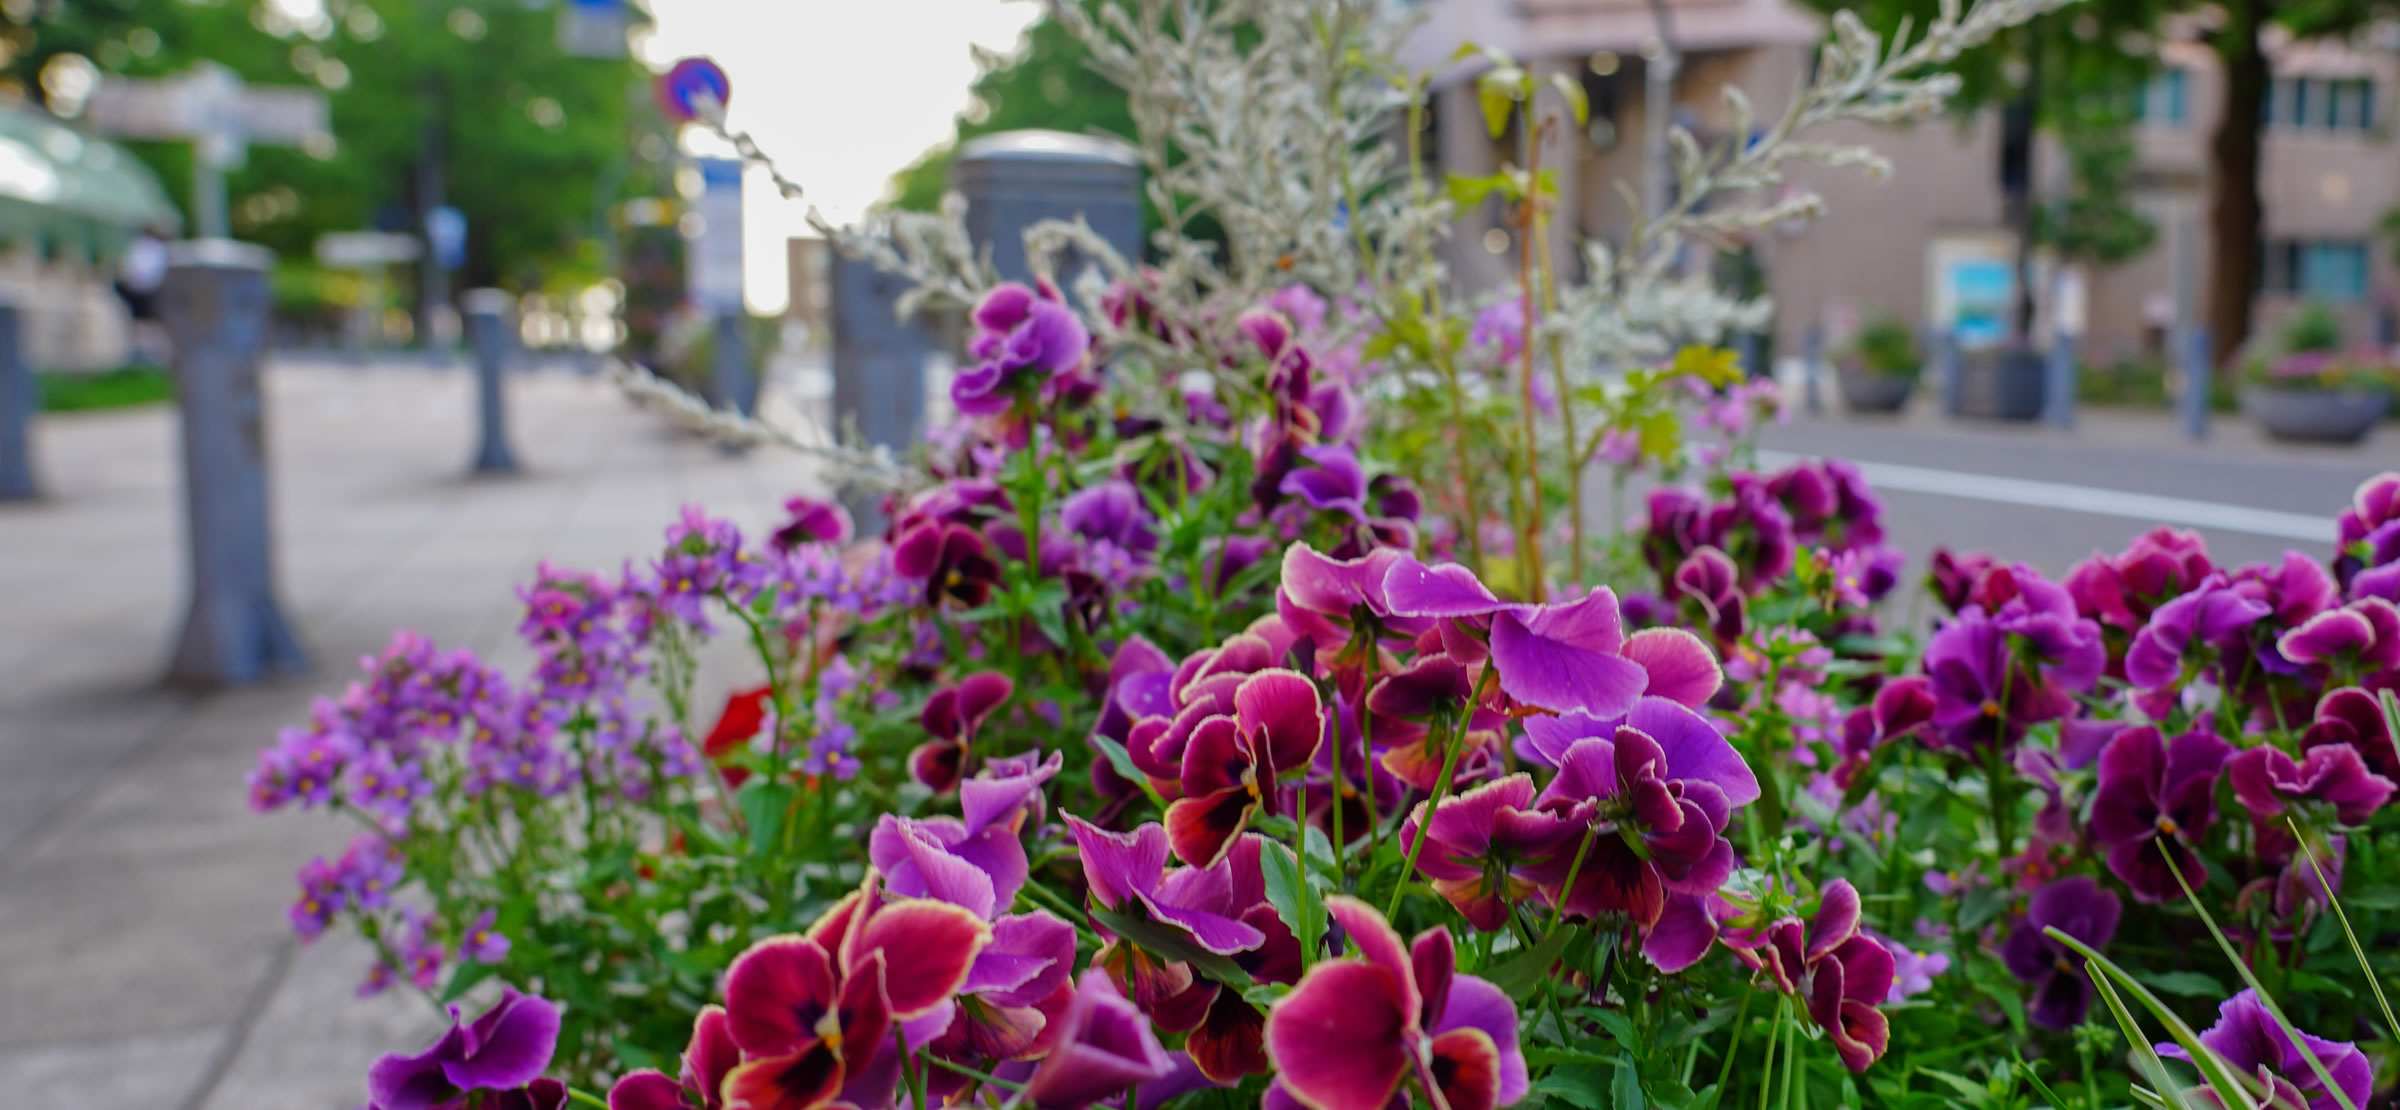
2316,269
2320,103
2165,99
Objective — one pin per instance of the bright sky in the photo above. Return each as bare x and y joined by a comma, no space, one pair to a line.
840,93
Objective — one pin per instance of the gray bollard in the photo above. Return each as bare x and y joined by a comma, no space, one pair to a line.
1950,367
731,381
214,305
1014,179
488,313
2059,391
20,403
878,366
2193,405
1812,370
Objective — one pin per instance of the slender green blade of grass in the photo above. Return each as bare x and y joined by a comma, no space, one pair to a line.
2391,1026
2221,1079
2140,1041
2242,968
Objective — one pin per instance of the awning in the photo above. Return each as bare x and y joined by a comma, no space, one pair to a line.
54,178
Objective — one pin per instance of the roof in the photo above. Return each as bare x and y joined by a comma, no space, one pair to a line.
51,173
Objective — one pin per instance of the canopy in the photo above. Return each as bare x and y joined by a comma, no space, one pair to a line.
54,178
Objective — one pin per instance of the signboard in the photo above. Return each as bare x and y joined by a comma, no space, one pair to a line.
713,252
358,250
219,115
446,233
592,28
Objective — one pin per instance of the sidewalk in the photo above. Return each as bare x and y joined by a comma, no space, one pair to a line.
144,958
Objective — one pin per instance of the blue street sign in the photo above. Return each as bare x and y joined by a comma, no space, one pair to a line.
684,85
446,233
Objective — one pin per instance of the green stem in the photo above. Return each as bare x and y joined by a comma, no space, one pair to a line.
586,1098
1766,1068
908,1069
986,1078
1441,787
1574,869
1741,1020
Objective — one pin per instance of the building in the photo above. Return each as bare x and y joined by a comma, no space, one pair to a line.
1928,244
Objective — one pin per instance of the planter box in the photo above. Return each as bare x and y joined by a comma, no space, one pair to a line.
2004,384
1869,392
2315,415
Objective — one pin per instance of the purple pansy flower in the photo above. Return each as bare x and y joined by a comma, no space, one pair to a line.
2155,794
1111,511
2268,781
2062,988
2354,717
2356,640
1022,337
1233,764
2211,618
481,942
1123,868
507,1047
1104,1046
813,521
1353,1030
2258,1046
951,716
1564,657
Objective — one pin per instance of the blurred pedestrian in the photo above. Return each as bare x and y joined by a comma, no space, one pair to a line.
140,274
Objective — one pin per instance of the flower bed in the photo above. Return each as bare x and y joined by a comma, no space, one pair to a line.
1238,711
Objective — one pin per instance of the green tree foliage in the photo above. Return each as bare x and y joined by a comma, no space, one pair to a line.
536,143
1044,84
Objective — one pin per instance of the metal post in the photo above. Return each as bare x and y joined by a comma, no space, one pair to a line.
878,365
488,312
2059,390
730,377
214,305
1812,369
2194,348
20,403
1951,370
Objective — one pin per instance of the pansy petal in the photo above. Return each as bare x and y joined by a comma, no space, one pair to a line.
1336,1039
1557,666
1202,829
1119,866
1694,749
1231,1041
931,946
1465,1068
774,994
1282,717
1680,666
806,1078
1836,921
1449,590
646,1089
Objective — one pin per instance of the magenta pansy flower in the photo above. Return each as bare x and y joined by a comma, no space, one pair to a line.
1354,1029
1838,972
1232,764
1332,600
812,1014
813,521
2354,717
2249,1039
2358,639
951,717
2062,988
951,559
507,1047
1129,868
2156,793
707,1060
1484,847
2123,590
2211,618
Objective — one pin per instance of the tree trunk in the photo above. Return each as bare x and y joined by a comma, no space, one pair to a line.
2234,208
2021,120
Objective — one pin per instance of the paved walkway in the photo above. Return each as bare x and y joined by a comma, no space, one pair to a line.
144,958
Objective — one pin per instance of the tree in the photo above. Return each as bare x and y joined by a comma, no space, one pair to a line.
1045,84
536,143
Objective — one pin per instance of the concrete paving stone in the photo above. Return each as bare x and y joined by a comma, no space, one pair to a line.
141,945
310,1048
148,1071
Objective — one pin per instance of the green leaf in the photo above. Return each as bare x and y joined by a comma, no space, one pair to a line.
468,976
1543,1056
1628,1090
1571,1088
2041,1088
1174,944
2190,984
2212,1067
1496,91
1570,87
1974,1092
1521,973
1468,192
764,803
1292,898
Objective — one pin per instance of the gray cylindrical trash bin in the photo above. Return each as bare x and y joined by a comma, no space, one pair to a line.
1014,179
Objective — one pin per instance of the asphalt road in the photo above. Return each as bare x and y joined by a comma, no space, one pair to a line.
2051,498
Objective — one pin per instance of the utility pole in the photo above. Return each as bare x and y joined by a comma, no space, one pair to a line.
1659,65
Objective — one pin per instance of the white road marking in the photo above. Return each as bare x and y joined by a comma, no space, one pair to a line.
2148,508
